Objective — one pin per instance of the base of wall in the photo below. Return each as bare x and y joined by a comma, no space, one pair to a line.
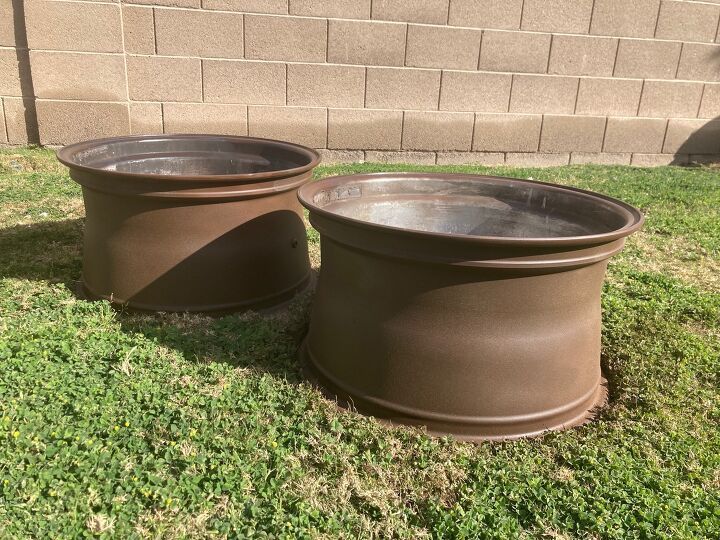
494,159
513,159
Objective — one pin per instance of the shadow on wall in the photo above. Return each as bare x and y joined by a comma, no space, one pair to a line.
701,147
24,72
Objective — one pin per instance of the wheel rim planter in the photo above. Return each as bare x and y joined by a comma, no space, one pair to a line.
467,304
192,222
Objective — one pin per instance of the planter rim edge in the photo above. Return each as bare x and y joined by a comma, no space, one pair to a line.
633,223
67,153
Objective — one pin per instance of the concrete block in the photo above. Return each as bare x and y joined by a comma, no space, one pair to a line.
294,39
20,120
183,32
419,11
612,97
364,129
59,75
366,43
699,62
301,125
495,14
507,132
543,94
582,55
666,99
153,78
604,158
566,16
65,122
710,106
572,133
658,160
341,9
442,47
7,23
73,26
139,29
437,130
692,136
647,59
393,88
146,118
334,157
489,159
643,135
173,3
414,158
687,21
324,85
475,91
247,6
10,76
625,18
3,129
522,52
263,83
213,118
533,159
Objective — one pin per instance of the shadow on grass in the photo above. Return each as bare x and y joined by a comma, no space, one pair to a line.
249,340
52,252
49,251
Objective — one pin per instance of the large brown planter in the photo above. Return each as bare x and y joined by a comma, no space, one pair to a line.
192,222
467,304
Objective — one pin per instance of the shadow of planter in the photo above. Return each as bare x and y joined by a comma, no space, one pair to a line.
48,250
51,251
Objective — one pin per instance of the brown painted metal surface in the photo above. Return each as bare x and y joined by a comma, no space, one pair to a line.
467,304
192,222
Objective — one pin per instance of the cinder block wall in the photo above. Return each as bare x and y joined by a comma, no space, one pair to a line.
17,104
432,81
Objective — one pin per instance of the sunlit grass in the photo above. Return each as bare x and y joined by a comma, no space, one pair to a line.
176,426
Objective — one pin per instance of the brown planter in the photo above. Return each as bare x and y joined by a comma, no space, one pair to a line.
467,304
192,222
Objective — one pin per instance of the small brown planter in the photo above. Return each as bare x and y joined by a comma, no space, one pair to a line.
467,304
192,222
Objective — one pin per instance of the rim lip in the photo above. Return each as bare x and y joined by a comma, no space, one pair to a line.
66,155
634,219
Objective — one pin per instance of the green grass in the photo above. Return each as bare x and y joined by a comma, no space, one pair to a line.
177,426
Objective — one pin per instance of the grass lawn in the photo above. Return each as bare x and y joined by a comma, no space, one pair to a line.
177,426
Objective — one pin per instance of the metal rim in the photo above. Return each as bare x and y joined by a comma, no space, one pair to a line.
476,430
633,217
263,304
66,155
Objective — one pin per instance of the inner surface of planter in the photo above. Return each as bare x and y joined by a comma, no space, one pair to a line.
469,207
466,304
192,155
192,222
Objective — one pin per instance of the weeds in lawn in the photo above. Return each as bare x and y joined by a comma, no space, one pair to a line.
124,425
